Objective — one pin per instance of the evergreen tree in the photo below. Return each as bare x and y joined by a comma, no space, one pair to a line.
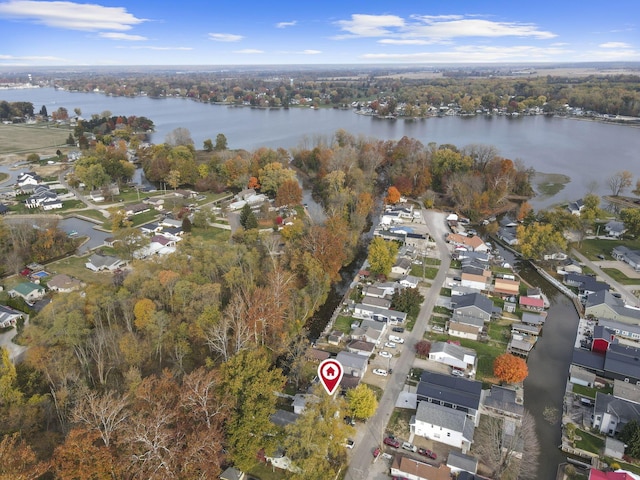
248,219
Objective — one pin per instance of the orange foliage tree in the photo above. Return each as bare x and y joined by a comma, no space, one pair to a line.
510,369
393,195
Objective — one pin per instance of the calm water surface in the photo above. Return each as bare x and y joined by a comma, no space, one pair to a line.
585,151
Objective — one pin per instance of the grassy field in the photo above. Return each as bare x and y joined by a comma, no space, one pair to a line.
591,392
618,276
32,138
343,324
589,442
75,267
593,247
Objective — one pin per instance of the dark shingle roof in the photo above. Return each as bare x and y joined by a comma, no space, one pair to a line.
447,388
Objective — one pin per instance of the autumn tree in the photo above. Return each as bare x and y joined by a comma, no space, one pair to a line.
619,182
631,219
316,447
273,175
407,300
423,347
382,255
81,458
221,142
537,239
250,382
19,461
510,369
362,402
510,451
393,195
289,194
207,145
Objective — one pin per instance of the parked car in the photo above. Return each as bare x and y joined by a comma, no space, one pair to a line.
389,344
380,371
376,452
349,443
409,446
392,442
396,339
457,373
601,257
398,329
427,453
384,354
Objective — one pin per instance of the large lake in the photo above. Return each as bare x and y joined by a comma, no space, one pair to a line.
585,151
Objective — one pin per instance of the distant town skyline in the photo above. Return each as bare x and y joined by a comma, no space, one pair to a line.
121,32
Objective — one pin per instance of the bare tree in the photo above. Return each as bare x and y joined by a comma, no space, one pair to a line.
198,398
481,154
619,182
509,450
179,136
105,413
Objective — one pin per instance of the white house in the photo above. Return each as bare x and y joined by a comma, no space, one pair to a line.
29,291
28,178
369,312
409,281
445,425
452,355
98,263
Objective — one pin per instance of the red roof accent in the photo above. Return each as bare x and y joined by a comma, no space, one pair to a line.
532,302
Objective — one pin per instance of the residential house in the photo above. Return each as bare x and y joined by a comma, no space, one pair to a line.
51,204
410,469
473,243
136,209
619,475
170,222
370,331
99,263
459,462
30,292
628,256
465,330
316,355
402,266
417,240
521,345
453,355
300,401
569,265
615,229
473,305
531,318
477,282
9,317
581,376
282,418
525,329
409,281
443,424
531,303
374,291
456,393
504,287
28,178
245,194
353,364
379,314
508,236
604,305
63,283
376,302
575,208
602,338
151,228
232,473
458,290
361,347
391,218
503,402
622,330
621,363
43,197
611,414
586,284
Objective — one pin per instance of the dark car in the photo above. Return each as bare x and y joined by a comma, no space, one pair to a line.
397,329
427,453
601,257
392,442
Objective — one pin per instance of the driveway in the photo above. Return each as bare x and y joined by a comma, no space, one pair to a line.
370,435
15,351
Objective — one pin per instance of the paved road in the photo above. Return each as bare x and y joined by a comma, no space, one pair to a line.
627,294
372,434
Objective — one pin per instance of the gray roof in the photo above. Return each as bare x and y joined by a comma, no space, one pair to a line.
468,320
616,304
452,349
581,374
462,462
352,360
503,399
587,359
103,260
622,329
533,318
454,420
447,388
282,418
623,360
585,282
475,300
232,473
622,409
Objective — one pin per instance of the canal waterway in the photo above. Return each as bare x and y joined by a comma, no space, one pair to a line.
577,149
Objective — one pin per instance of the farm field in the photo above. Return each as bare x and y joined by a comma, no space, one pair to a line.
32,138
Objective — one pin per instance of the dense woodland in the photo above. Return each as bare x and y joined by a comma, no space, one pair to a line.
170,370
470,89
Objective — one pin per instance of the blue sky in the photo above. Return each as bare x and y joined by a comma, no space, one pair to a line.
187,32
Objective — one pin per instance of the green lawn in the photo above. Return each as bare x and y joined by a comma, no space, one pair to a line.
411,322
589,442
618,276
445,292
591,392
487,353
500,331
75,267
431,261
216,234
343,324
593,247
422,271
442,310
95,214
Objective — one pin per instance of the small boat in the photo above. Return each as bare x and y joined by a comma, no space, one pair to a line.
72,233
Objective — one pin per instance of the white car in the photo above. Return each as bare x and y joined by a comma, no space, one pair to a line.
389,344
384,354
457,373
380,371
395,339
409,446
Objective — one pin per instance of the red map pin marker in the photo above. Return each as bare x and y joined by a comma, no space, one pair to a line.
330,372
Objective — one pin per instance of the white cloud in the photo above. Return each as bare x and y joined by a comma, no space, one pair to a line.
286,24
32,58
370,25
311,52
614,45
301,52
122,36
435,28
475,54
70,15
150,47
399,41
248,51
225,37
